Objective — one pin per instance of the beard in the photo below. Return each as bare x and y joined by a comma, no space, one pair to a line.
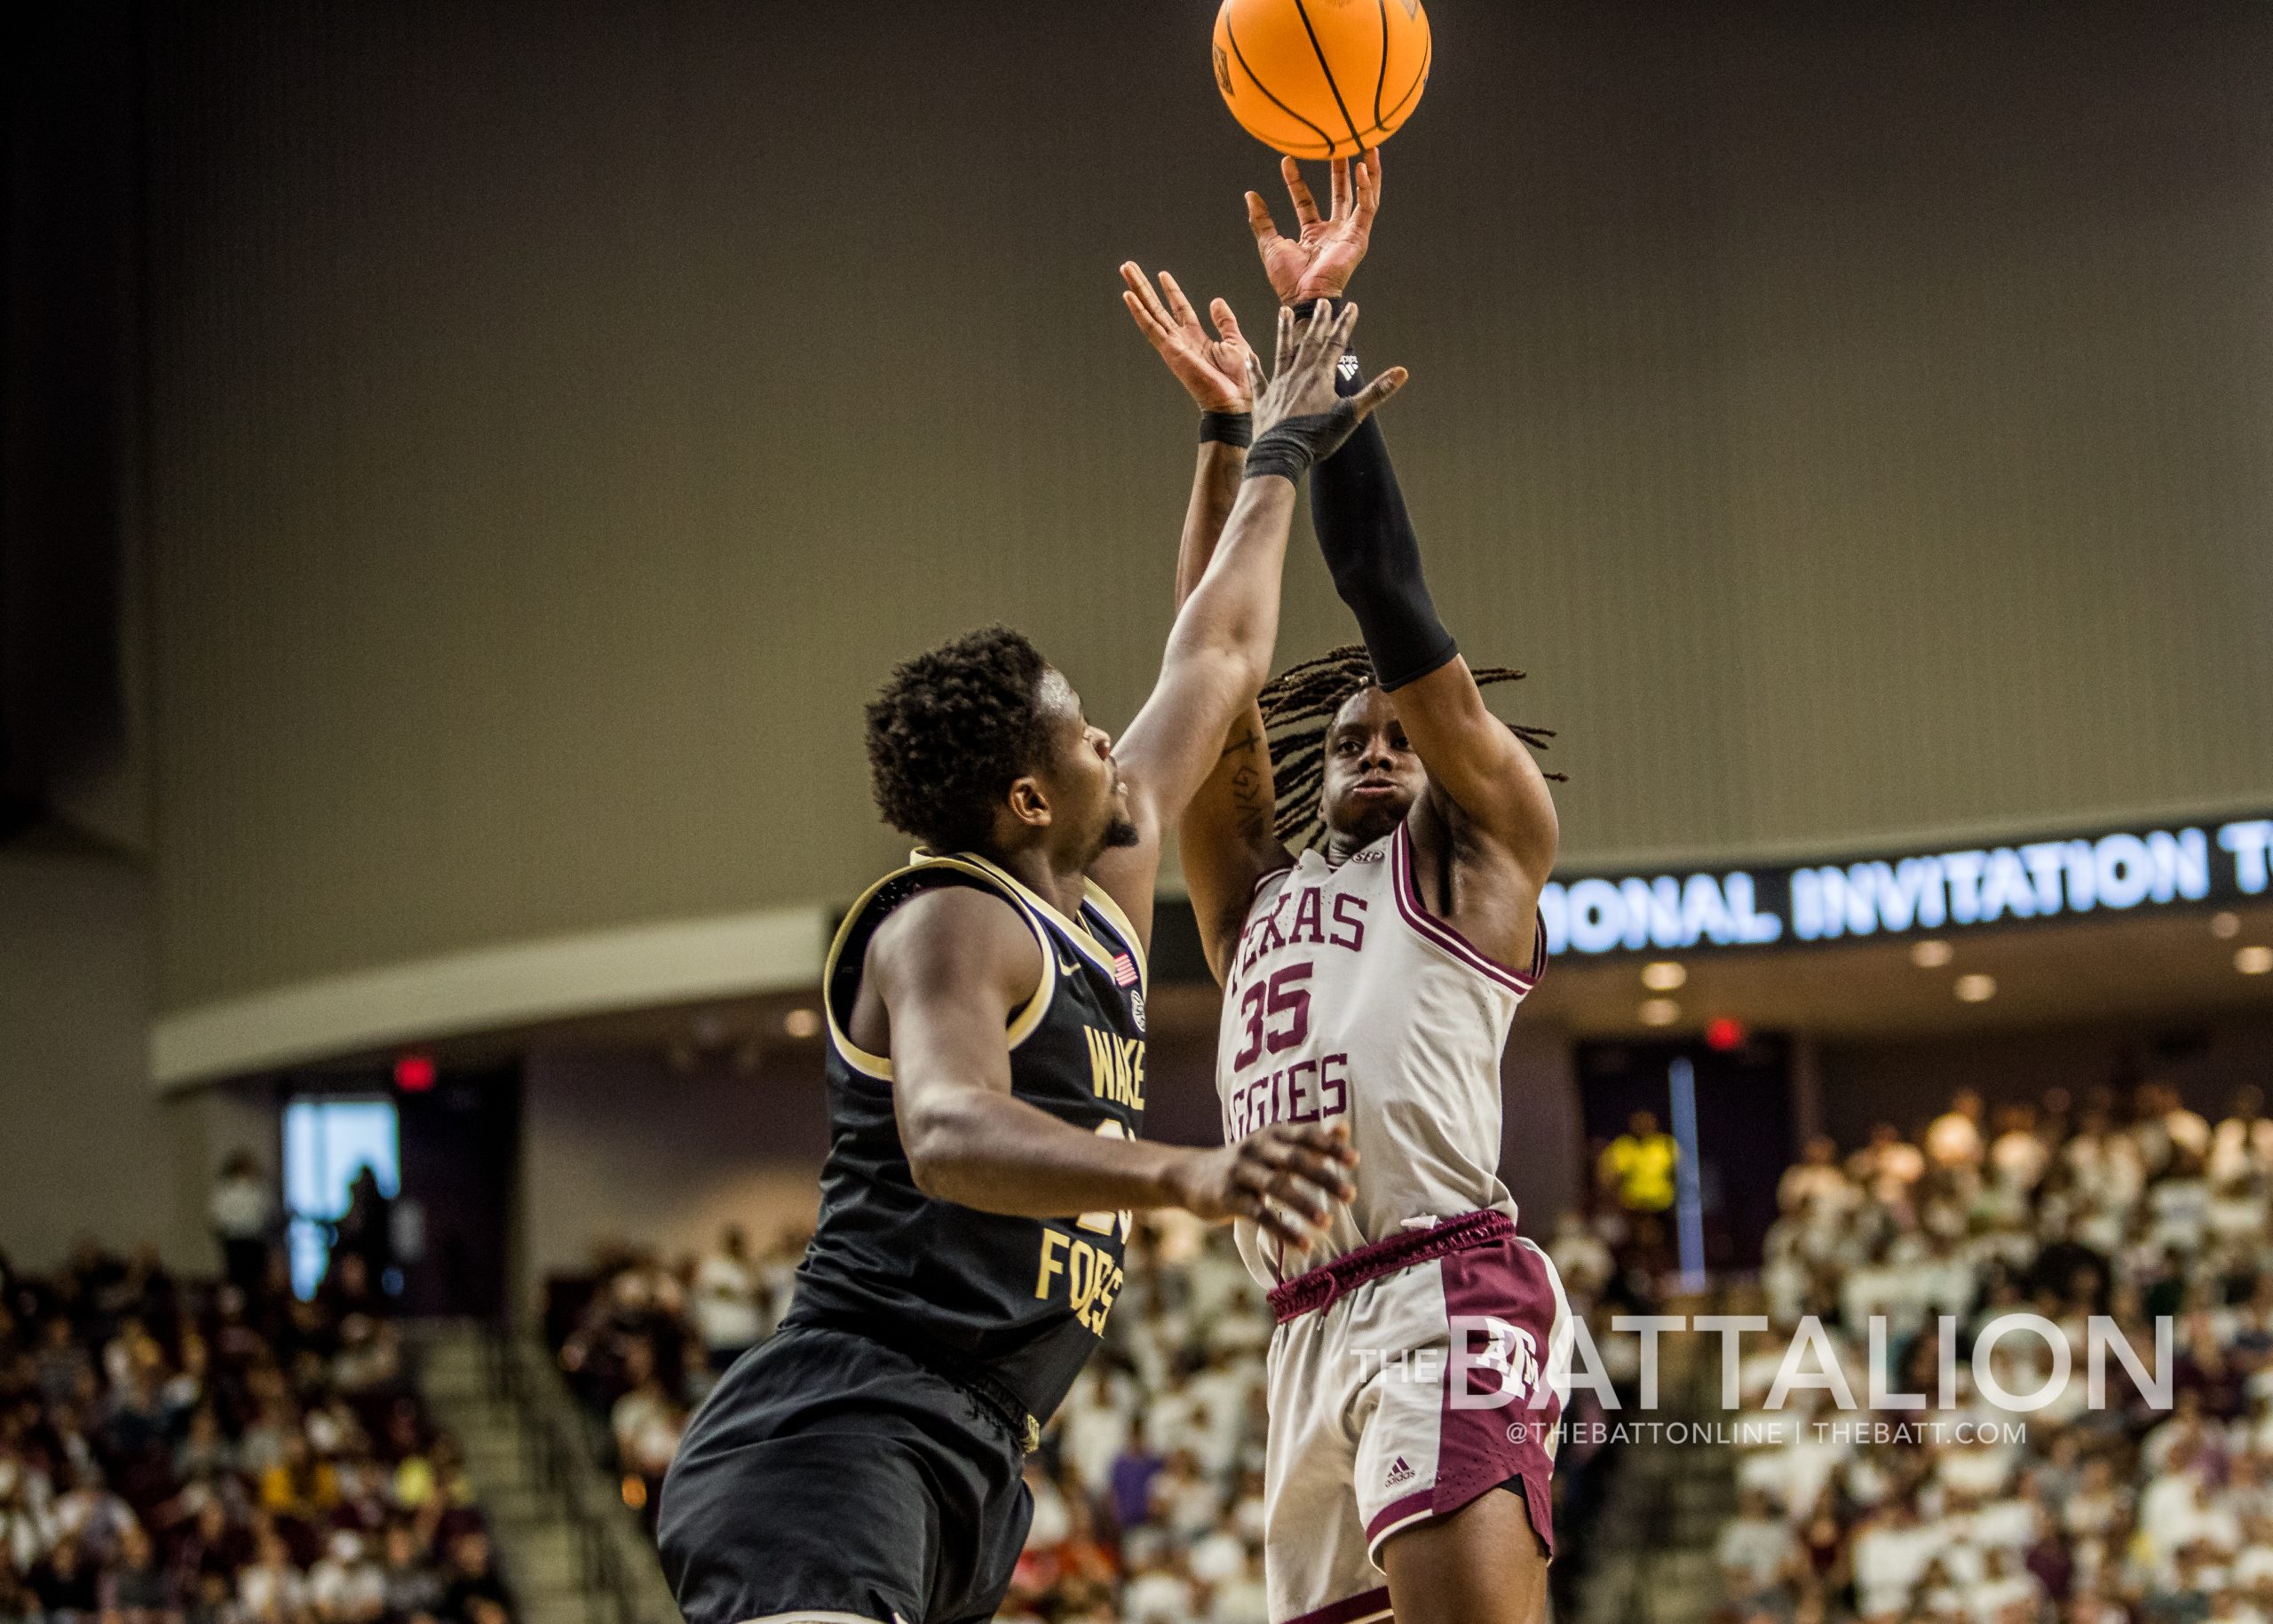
1361,826
1119,836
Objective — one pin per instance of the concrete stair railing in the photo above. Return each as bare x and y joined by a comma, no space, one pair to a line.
572,1550
1654,1561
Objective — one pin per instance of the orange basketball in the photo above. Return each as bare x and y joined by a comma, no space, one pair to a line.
1321,78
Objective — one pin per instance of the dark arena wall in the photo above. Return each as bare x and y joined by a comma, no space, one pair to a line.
1853,419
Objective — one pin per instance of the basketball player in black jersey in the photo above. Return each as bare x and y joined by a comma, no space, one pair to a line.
987,1084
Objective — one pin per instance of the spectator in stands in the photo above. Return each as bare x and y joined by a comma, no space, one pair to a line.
217,1543
2185,1129
66,1579
176,1454
724,1295
472,1593
2107,1515
134,1587
1582,1259
1953,1142
63,1367
243,1213
18,1604
298,1485
2019,1155
1095,1426
1635,1173
345,1586
365,1234
408,1582
1816,1183
648,1448
1184,1500
777,1273
1130,1481
2243,1145
88,1513
1637,1167
1888,1166
646,1422
1160,1591
271,1590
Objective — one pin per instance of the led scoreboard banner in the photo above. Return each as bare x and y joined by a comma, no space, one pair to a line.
1911,893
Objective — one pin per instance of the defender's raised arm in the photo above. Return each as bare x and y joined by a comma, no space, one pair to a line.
1219,650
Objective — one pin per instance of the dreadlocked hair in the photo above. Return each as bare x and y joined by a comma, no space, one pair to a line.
1299,705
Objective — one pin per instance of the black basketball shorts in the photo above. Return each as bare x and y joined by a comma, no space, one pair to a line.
829,1477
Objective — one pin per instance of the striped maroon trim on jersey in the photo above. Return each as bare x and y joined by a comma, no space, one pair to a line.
1443,934
1395,1515
1266,879
1358,1609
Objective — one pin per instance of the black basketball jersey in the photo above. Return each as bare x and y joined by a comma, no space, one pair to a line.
1020,1301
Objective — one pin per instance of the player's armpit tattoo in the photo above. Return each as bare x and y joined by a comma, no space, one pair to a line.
1251,794
1246,740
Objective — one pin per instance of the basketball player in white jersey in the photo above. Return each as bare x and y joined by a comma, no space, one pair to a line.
1421,1355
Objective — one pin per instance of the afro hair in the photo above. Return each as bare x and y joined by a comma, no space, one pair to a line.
950,732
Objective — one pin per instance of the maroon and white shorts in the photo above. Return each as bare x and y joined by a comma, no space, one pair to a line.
1408,1378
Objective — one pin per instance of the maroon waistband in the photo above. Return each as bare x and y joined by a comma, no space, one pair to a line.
1306,1293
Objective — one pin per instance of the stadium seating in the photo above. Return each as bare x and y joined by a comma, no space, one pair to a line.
179,1451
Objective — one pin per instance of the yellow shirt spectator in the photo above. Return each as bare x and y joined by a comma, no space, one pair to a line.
1637,1167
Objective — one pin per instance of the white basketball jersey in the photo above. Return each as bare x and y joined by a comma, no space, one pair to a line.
1350,1001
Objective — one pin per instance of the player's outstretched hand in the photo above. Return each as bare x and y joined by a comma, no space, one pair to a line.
1214,371
1287,1177
1302,395
1318,261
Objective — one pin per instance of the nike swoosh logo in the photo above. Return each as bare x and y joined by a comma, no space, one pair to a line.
1072,967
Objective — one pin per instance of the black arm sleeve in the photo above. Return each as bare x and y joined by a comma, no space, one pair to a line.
1372,553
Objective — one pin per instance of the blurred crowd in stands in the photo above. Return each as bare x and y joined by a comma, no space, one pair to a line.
191,1451
2128,1511
1148,1489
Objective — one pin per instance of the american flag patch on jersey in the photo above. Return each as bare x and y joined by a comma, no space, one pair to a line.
1124,969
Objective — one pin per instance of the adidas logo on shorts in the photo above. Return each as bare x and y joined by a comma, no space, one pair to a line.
1400,1472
